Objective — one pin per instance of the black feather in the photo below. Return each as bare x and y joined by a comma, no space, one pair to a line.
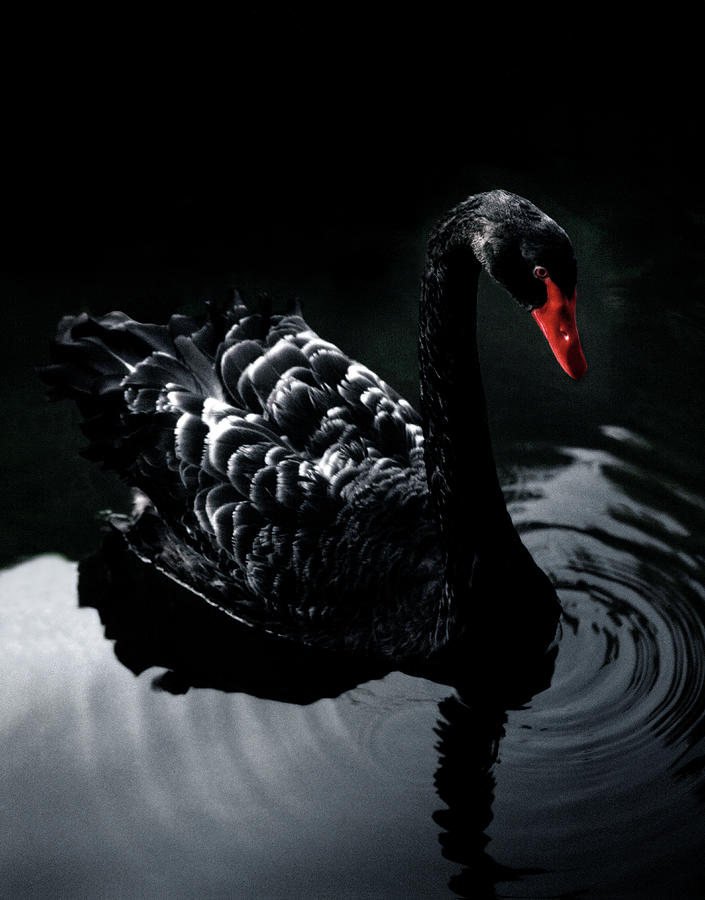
288,483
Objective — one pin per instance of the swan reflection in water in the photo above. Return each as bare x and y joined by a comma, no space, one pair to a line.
585,755
155,622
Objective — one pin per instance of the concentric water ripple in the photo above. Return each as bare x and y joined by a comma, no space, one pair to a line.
600,779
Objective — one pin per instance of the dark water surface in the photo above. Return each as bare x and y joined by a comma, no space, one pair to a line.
395,786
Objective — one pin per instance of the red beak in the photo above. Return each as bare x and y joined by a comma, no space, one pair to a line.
556,318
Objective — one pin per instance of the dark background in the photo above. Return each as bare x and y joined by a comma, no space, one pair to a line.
148,167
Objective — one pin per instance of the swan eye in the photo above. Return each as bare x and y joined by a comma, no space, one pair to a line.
541,272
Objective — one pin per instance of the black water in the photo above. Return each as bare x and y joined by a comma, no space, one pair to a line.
158,753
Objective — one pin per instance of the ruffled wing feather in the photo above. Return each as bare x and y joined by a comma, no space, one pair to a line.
290,476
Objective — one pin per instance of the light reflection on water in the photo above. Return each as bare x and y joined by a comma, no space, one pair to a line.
595,785
613,750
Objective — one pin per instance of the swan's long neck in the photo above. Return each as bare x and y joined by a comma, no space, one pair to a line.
459,460
488,573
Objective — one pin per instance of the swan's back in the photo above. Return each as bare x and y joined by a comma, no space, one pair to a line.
287,482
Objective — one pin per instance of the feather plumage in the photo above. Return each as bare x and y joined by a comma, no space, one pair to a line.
282,458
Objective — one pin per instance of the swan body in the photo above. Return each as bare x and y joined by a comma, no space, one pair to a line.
292,487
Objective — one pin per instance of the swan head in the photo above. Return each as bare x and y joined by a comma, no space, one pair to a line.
532,257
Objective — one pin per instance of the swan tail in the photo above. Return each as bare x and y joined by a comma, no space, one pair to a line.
117,370
132,381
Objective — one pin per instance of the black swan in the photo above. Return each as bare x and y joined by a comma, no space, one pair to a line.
292,488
